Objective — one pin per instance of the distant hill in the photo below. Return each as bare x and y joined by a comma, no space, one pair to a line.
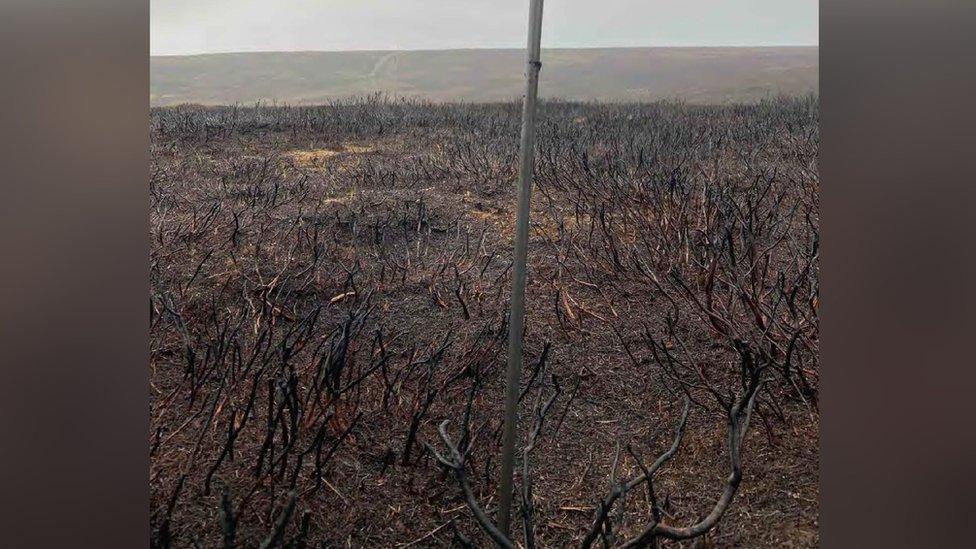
696,75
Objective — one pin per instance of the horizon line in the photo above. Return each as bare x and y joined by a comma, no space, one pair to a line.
486,48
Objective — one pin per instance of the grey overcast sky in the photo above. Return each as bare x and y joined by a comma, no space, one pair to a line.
211,26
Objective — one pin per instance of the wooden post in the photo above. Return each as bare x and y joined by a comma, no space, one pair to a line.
517,316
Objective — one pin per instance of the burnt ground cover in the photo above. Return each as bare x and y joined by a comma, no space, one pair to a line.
330,284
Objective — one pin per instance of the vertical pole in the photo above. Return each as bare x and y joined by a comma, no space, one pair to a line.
517,316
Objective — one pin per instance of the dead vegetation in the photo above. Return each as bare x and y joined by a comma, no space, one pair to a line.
328,297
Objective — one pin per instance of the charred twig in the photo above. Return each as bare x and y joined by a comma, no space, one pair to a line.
454,462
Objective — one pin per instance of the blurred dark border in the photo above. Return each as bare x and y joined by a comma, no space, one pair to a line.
898,171
74,274
898,164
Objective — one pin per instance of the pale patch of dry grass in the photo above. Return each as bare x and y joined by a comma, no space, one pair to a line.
318,157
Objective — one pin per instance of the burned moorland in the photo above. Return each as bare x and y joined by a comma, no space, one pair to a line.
328,297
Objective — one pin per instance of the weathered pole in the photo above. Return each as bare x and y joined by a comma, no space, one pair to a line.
517,314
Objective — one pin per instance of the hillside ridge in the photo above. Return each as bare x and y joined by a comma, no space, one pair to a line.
693,74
